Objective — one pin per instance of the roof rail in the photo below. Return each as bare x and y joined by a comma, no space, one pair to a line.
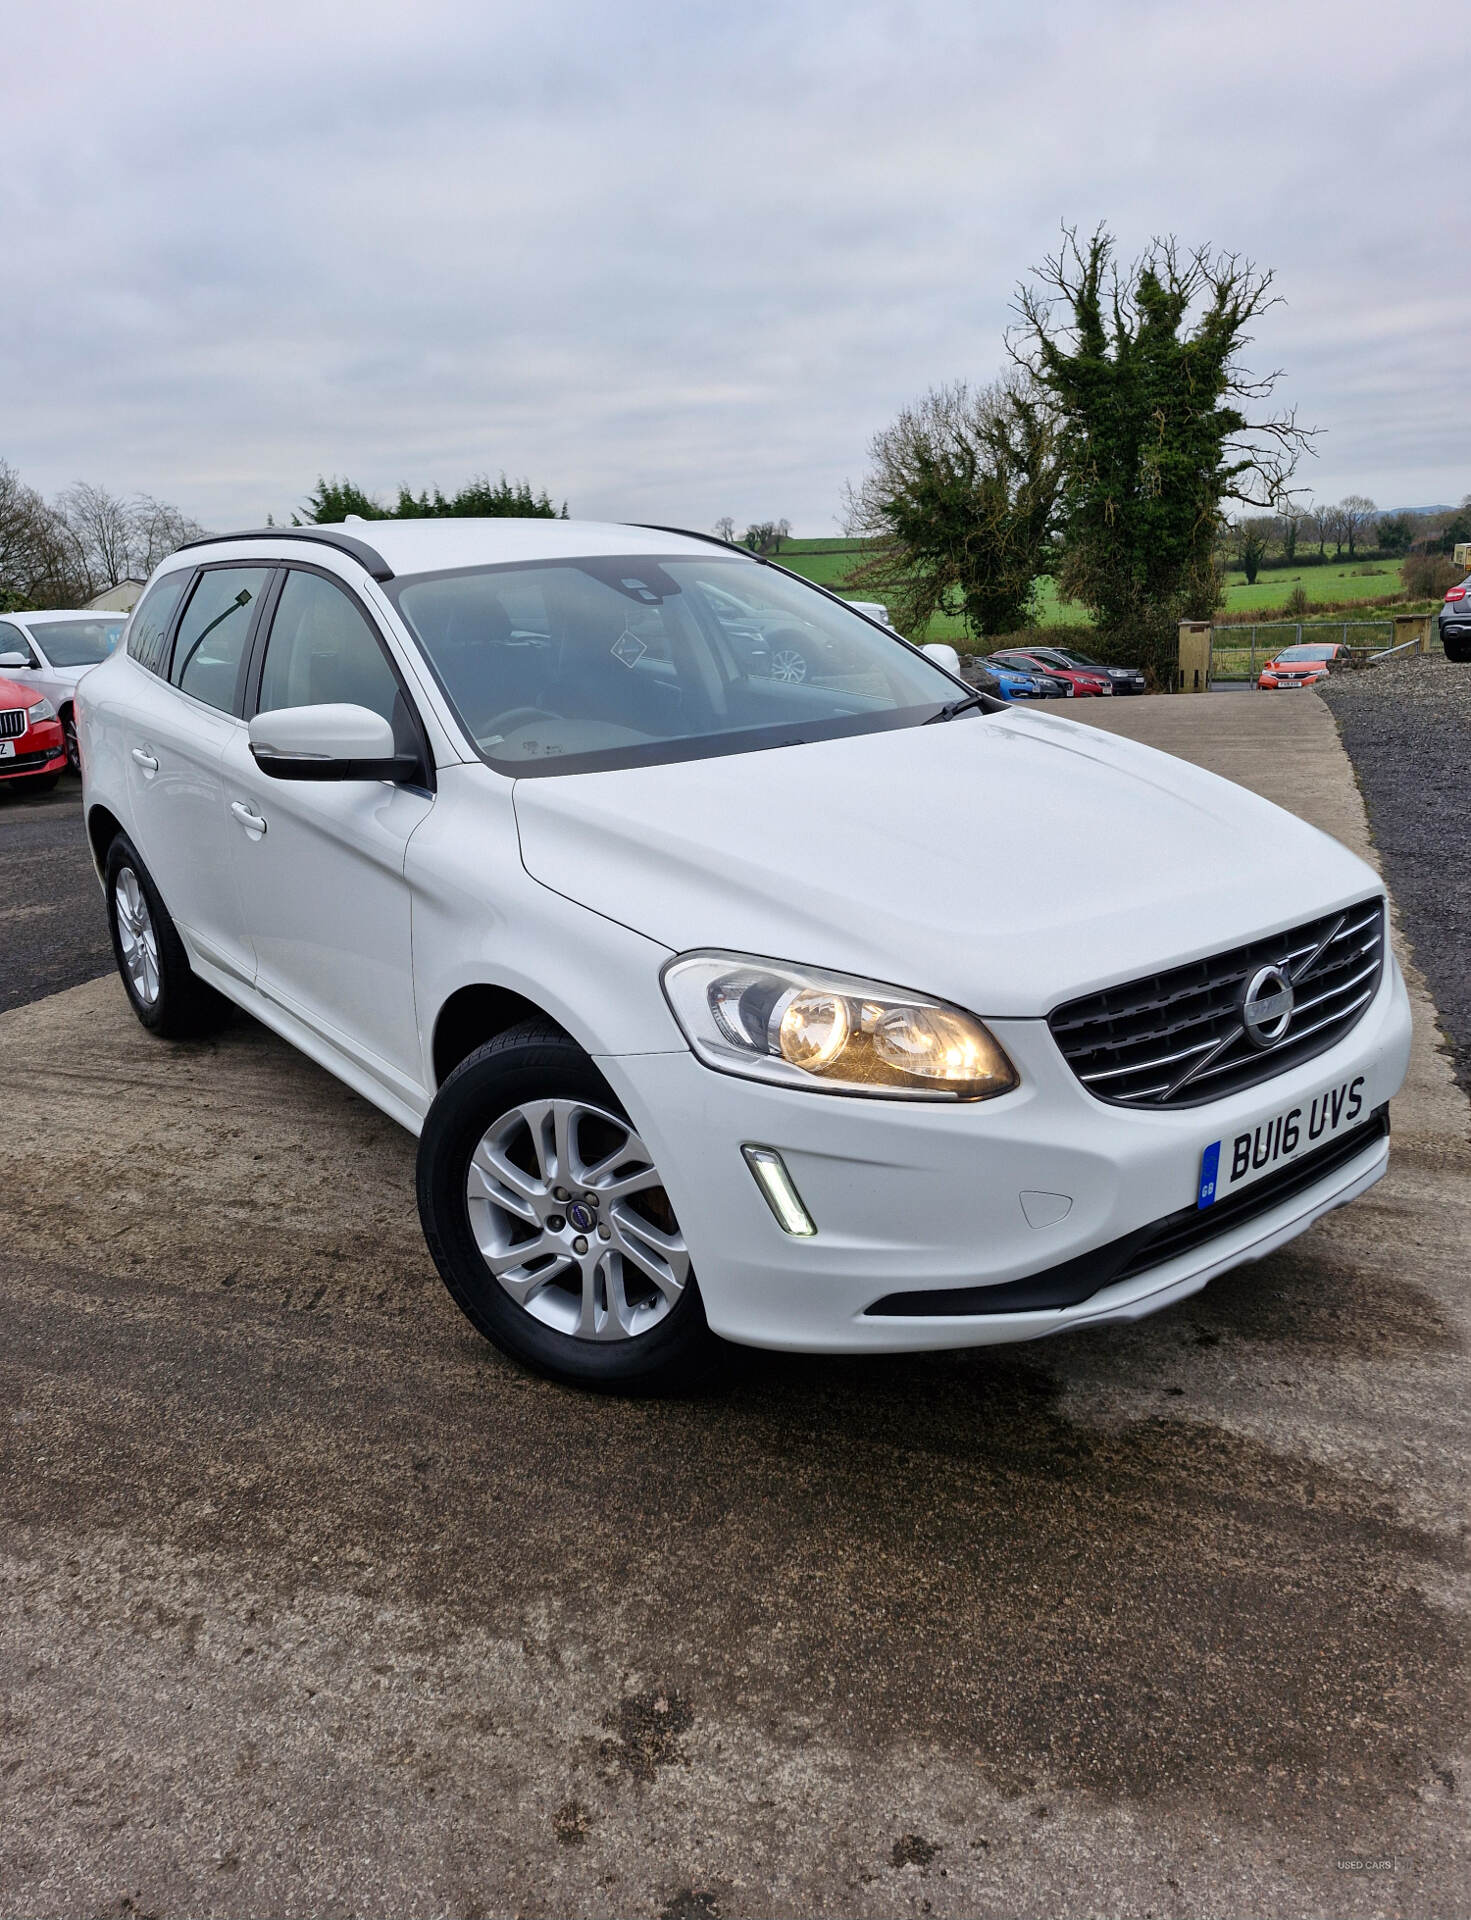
367,557
711,539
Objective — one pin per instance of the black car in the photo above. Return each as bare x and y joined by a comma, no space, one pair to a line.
1124,679
1455,622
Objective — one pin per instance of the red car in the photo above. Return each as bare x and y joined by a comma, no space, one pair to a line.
32,745
1082,680
1302,666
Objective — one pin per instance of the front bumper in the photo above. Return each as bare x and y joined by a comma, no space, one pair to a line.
40,749
925,1199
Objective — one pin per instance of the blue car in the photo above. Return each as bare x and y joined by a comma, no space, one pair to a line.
1016,685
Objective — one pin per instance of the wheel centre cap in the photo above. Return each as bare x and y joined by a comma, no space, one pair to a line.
581,1216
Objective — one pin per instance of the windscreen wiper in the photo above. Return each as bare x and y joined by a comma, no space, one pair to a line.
948,712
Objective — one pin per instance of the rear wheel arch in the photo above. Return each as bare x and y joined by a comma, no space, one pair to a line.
102,829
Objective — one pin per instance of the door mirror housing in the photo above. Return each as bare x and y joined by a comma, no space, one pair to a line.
944,655
14,659
337,742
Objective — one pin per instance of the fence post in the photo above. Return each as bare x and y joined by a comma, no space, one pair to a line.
1413,626
1195,656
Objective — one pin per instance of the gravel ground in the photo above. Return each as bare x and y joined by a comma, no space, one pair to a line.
1407,729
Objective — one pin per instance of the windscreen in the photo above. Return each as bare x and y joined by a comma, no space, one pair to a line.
571,666
1299,654
77,643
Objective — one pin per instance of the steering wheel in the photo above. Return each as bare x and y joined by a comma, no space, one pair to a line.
514,717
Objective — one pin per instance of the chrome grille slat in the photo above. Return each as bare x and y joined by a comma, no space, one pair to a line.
1121,1040
12,722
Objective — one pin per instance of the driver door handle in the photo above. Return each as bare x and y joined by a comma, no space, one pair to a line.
252,822
145,760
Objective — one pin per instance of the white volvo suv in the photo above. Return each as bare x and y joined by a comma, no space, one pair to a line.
711,1006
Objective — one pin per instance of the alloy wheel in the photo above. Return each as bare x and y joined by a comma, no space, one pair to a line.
570,1216
789,665
136,936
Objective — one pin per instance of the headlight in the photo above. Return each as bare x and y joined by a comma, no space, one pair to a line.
830,1033
43,710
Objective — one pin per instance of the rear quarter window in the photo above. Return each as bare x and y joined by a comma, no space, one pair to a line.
152,616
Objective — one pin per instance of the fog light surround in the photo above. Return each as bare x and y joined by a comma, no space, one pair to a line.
770,1173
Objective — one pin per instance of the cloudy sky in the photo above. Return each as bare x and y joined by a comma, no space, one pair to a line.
672,261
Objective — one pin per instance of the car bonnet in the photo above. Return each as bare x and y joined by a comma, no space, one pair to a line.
870,855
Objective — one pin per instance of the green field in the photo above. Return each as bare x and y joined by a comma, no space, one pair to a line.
1345,583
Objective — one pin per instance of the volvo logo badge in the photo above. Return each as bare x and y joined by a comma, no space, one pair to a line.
1266,1007
582,1216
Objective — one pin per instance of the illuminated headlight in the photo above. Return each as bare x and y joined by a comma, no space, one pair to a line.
830,1033
43,710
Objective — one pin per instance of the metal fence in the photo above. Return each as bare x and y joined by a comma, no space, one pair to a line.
1239,652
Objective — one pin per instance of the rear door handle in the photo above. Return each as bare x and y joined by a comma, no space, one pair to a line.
145,760
252,822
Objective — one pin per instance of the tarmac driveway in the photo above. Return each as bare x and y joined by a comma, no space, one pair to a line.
313,1605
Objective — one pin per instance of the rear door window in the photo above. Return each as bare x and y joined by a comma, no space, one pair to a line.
209,651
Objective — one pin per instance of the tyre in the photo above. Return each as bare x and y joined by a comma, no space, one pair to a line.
549,1223
166,995
1457,646
69,734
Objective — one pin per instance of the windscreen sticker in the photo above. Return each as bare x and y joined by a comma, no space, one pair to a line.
629,648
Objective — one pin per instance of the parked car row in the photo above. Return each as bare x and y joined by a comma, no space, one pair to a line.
47,654
1060,673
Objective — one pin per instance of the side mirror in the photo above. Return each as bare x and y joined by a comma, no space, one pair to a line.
338,742
13,659
944,655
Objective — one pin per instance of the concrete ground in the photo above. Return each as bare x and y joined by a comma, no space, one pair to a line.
313,1605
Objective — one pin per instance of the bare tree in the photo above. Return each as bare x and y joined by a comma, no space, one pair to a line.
1286,528
111,539
33,546
1317,522
101,529
158,530
724,528
1356,513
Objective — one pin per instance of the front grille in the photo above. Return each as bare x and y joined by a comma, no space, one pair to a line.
1074,1281
12,722
1177,1039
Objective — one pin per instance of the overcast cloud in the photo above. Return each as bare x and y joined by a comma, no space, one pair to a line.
671,264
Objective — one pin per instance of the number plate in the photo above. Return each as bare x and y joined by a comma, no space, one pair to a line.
1228,1165
7,749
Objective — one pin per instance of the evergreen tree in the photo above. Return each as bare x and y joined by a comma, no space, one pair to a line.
1143,376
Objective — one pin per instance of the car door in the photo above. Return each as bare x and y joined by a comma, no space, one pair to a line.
176,729
320,863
